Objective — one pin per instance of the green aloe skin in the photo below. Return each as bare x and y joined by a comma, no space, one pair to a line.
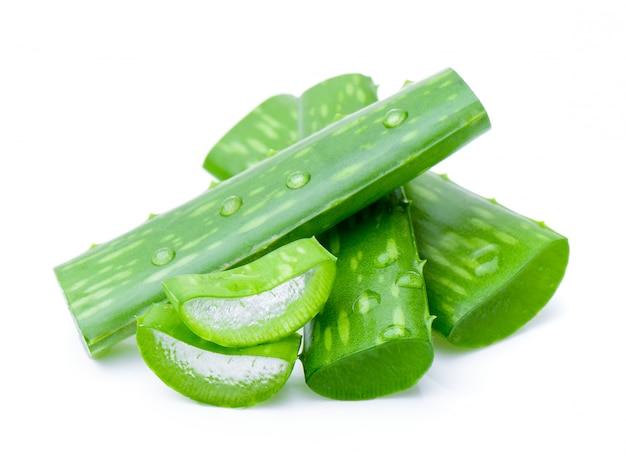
490,270
373,336
209,373
259,302
300,192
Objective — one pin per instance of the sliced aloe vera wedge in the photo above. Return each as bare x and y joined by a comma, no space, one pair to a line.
259,302
209,373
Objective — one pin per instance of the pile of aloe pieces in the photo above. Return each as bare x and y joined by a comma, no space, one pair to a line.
327,239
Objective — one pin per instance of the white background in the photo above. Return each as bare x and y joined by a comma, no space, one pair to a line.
107,110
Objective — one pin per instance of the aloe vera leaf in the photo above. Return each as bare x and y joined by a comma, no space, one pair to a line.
260,302
373,336
300,192
209,373
282,120
490,270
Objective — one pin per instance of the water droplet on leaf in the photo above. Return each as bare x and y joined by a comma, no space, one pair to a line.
366,301
163,256
389,256
394,118
394,331
298,179
386,259
230,205
486,259
410,279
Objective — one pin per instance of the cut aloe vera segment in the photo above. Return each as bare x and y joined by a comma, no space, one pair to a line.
262,301
490,270
373,337
209,373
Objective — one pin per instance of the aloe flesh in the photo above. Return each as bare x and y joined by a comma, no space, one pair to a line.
490,270
336,171
373,336
259,302
209,373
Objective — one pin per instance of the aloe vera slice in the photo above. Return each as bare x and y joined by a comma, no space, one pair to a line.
209,373
373,337
262,301
303,190
490,270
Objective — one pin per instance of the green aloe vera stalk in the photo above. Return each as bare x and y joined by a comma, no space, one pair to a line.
373,336
282,120
300,192
490,270
209,373
259,302
351,351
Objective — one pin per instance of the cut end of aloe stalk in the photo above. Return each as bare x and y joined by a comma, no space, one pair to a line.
516,303
209,373
378,371
490,270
